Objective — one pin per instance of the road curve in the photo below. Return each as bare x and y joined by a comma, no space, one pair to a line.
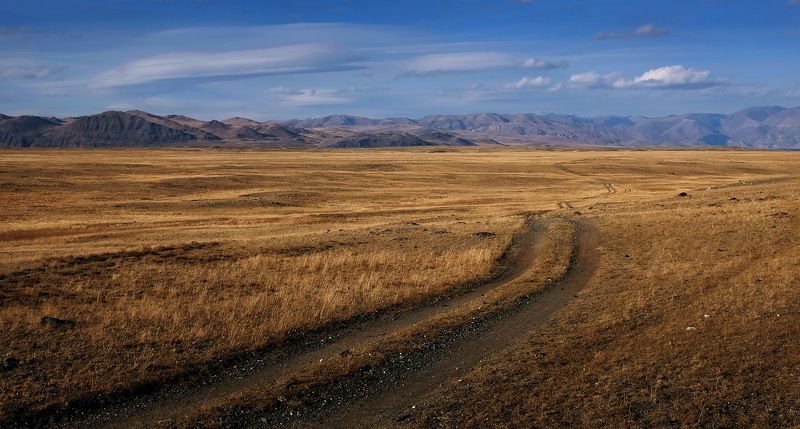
392,400
178,401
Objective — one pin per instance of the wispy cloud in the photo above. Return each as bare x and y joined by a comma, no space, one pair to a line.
26,72
458,62
588,80
542,64
290,59
310,97
667,77
646,31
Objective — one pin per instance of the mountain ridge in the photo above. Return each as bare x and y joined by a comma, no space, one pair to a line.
764,127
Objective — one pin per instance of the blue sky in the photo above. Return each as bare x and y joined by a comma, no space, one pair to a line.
301,58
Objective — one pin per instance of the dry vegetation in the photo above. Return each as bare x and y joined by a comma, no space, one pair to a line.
690,321
163,261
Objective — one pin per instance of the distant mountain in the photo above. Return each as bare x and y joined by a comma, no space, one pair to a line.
766,127
110,129
187,125
443,138
769,127
280,131
333,121
375,140
685,130
531,128
215,125
238,129
25,131
240,122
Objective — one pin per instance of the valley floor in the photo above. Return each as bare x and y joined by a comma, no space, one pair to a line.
131,279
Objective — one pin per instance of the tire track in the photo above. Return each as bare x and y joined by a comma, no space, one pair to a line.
173,403
610,189
395,398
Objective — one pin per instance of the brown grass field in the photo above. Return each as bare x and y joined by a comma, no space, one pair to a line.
128,268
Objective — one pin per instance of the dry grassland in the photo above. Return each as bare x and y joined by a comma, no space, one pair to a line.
691,320
164,261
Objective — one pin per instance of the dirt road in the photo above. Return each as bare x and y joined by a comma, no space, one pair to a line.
384,404
176,401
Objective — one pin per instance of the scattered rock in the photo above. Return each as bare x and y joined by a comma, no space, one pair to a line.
484,234
683,194
345,353
691,328
55,322
281,399
402,417
9,363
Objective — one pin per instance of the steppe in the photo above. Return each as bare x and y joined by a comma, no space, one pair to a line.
419,287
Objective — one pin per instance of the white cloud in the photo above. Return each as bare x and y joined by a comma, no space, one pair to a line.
542,64
288,59
458,62
650,30
530,82
585,80
646,31
672,76
675,77
310,97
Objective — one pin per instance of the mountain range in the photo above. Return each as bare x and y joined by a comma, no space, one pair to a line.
769,127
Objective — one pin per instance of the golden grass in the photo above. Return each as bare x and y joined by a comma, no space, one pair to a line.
169,259
691,320
551,263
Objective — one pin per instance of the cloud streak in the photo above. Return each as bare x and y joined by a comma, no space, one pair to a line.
26,72
458,62
310,97
290,59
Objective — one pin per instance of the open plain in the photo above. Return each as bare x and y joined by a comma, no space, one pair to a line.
422,287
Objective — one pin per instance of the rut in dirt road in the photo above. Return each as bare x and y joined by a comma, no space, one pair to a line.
175,402
385,405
